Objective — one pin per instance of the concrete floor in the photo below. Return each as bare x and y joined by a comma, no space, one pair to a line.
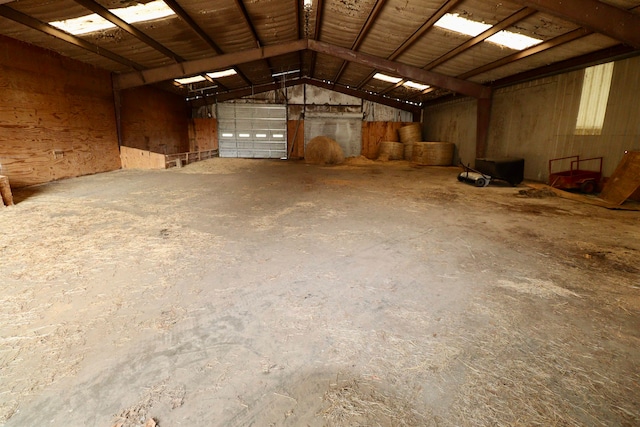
241,292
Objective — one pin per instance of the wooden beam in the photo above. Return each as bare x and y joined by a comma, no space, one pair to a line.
446,6
505,23
595,15
189,68
316,35
115,20
614,53
377,7
201,33
247,21
27,20
565,38
403,70
194,26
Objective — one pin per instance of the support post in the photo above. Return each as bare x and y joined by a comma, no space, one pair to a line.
482,126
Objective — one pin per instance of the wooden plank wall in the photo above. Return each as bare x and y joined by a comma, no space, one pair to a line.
203,134
374,132
154,120
134,158
57,117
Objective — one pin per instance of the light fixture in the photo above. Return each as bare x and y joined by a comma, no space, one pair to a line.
307,3
417,86
189,80
91,23
458,24
223,73
385,78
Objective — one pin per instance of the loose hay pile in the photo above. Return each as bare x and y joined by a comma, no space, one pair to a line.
322,150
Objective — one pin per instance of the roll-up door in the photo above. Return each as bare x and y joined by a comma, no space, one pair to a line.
252,130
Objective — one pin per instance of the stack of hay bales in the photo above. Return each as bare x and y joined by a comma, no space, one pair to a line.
433,153
409,135
323,150
391,150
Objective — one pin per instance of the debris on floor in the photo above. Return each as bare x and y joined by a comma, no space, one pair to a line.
536,193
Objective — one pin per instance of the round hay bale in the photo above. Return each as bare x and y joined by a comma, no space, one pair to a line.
392,150
408,151
411,133
322,150
433,153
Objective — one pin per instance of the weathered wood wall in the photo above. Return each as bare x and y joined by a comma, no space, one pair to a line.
374,132
56,116
203,134
154,120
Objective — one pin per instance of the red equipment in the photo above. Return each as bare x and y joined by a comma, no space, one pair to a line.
587,181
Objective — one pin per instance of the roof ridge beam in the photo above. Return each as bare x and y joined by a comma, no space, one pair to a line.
458,85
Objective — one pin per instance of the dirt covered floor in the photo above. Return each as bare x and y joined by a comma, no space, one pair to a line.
272,293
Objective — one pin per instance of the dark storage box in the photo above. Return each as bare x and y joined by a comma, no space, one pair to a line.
510,169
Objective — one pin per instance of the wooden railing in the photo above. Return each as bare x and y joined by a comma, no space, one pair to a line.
182,159
134,158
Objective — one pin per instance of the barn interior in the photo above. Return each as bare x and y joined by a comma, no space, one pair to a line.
171,255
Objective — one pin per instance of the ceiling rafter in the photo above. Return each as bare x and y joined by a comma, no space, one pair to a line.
408,72
254,33
115,20
557,41
201,33
614,53
595,15
38,25
316,34
426,26
377,7
505,23
393,87
189,68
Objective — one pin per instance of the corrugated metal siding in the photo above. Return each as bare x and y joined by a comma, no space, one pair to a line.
252,130
537,120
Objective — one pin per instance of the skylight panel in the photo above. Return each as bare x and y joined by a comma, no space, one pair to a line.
417,86
513,40
454,22
458,24
385,78
189,80
223,73
132,14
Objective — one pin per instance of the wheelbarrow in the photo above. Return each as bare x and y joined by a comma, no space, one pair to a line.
576,178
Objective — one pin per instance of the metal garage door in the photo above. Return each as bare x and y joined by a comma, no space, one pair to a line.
344,128
252,131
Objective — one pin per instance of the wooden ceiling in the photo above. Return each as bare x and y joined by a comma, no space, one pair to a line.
337,44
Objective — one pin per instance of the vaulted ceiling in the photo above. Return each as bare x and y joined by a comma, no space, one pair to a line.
337,44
